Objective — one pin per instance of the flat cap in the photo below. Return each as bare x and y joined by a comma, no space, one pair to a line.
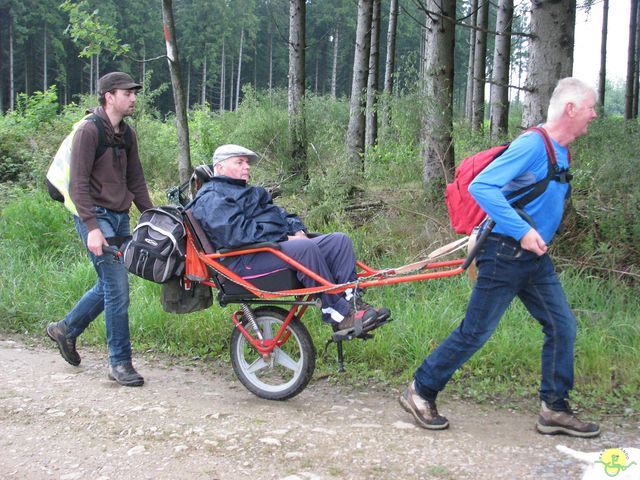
227,151
117,80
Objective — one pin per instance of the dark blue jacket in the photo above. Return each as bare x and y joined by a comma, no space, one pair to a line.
233,213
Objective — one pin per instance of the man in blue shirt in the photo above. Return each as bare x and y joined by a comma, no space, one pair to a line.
514,262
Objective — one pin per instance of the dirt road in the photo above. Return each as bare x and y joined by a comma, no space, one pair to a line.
198,422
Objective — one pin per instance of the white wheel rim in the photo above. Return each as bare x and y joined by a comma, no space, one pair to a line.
253,369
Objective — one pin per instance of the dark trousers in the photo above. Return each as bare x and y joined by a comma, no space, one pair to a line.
110,292
331,256
505,271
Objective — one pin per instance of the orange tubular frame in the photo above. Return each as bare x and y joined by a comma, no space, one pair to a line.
367,276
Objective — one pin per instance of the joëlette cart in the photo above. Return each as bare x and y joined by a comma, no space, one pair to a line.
272,353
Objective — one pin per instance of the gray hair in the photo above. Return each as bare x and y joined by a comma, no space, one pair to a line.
568,90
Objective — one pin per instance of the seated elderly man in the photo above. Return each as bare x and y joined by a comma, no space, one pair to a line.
233,213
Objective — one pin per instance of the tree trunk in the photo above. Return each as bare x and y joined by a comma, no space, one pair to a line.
3,12
188,92
602,77
45,80
184,155
222,80
12,84
255,66
97,77
357,104
371,130
317,73
391,47
390,62
550,55
468,99
26,71
636,75
91,77
239,68
270,59
26,75
631,64
203,89
144,69
479,66
501,66
334,68
296,93
437,116
232,89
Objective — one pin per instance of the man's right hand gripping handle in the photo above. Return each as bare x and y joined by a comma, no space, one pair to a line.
95,241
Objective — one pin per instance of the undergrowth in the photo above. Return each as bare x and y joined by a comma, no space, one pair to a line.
392,221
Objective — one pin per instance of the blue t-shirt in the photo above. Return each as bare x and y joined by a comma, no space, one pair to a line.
523,163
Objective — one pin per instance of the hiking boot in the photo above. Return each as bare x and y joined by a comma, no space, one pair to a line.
125,375
551,422
424,411
357,320
67,346
383,313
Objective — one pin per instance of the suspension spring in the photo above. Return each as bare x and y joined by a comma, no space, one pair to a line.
251,318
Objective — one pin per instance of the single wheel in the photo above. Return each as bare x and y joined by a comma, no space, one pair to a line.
287,371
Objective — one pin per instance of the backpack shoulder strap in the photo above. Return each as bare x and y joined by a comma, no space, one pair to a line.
102,136
548,144
128,138
103,145
539,187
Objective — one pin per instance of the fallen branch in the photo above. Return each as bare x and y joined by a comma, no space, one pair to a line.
364,206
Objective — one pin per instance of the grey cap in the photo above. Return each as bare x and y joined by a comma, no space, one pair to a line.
117,81
227,151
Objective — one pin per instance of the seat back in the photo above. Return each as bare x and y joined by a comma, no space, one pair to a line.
229,291
198,233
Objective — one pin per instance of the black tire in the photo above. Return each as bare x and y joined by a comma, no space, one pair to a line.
291,366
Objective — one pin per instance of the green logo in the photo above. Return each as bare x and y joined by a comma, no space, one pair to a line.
614,461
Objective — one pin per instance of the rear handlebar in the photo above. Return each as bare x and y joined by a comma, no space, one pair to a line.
474,251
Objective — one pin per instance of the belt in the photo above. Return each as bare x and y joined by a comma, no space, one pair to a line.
504,238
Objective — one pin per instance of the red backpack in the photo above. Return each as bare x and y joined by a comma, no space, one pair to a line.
464,211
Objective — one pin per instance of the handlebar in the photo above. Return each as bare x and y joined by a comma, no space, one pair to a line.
474,251
111,250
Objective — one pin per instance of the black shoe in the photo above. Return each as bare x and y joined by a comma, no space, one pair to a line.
125,375
66,345
551,422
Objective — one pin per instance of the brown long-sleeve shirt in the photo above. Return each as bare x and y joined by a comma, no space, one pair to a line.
112,182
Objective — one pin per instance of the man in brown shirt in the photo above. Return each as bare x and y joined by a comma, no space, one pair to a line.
104,183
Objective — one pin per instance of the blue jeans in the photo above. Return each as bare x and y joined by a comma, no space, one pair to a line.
110,293
504,272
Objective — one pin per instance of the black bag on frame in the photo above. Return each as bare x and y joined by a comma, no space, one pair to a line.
176,298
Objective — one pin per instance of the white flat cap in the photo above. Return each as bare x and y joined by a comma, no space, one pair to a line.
227,151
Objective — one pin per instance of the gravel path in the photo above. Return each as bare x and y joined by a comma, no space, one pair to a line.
198,422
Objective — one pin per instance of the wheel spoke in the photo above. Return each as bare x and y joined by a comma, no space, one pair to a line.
287,369
257,365
286,361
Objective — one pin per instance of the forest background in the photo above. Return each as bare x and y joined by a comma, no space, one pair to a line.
369,165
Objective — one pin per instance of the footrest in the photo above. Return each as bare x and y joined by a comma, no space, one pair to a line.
349,335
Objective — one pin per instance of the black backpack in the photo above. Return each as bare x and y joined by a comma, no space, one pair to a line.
102,147
157,249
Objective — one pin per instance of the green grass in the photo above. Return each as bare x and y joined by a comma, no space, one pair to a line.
45,271
40,284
